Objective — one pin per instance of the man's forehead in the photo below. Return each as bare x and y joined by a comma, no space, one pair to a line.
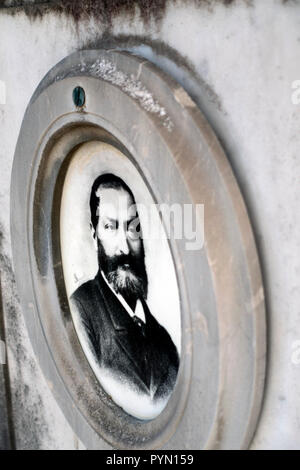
115,202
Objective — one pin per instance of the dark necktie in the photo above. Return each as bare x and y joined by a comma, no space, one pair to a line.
139,323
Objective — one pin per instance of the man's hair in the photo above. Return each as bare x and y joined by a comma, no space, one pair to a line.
107,181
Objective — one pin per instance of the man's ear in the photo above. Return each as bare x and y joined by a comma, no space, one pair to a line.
94,235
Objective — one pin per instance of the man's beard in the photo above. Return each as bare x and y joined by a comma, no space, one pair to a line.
126,273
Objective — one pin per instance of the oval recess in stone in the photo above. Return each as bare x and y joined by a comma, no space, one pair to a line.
120,279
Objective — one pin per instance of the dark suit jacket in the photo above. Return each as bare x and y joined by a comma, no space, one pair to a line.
145,358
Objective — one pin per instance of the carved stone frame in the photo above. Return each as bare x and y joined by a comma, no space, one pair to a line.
137,108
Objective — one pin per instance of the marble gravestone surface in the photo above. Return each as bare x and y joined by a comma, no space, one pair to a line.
238,63
4,430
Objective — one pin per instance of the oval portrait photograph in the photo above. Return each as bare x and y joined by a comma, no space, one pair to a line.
120,279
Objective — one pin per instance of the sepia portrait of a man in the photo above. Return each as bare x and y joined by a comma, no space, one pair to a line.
126,340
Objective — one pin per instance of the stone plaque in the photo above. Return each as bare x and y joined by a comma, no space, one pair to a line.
146,341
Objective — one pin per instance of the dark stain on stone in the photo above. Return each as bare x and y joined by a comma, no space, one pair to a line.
105,10
30,428
7,441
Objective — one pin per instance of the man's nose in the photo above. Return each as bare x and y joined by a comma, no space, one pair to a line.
123,246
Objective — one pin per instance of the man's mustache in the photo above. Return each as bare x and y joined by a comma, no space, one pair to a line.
121,261
133,265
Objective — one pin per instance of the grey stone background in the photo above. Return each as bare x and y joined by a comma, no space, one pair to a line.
238,60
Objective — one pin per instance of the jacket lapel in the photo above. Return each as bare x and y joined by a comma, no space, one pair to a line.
129,339
158,365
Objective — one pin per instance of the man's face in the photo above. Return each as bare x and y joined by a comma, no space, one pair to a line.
120,247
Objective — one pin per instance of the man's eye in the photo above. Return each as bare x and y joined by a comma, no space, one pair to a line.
134,229
110,226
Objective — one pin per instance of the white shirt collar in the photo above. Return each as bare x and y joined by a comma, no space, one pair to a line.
139,309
